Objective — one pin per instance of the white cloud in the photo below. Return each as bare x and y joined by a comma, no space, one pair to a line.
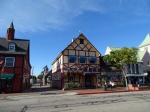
34,15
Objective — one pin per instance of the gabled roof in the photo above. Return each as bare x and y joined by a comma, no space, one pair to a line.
72,42
21,46
140,55
114,48
146,41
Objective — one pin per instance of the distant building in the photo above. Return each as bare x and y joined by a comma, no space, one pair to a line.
110,48
14,63
143,57
78,63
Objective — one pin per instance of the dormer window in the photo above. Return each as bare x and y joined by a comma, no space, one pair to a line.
11,47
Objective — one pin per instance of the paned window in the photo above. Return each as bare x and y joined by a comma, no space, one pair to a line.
82,59
81,41
9,82
92,60
72,59
11,47
9,61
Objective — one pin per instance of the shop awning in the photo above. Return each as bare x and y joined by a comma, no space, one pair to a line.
82,58
136,75
92,58
111,75
72,57
6,76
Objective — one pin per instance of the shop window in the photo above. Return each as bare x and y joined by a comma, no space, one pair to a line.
9,83
71,79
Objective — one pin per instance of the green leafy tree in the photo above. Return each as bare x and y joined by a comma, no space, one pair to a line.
118,57
40,76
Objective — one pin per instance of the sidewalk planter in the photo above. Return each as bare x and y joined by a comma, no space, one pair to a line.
104,87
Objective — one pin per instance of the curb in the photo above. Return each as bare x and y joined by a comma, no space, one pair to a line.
104,92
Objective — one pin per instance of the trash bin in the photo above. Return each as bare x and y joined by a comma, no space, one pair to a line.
104,87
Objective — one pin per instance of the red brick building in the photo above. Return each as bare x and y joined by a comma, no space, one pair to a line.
14,63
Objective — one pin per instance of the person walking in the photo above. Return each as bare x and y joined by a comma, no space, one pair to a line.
110,84
113,85
41,83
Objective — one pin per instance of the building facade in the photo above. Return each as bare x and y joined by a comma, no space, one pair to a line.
14,63
78,63
143,57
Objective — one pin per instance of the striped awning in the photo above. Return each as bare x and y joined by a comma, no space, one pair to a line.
6,76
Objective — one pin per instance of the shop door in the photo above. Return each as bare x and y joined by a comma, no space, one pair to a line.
87,81
2,85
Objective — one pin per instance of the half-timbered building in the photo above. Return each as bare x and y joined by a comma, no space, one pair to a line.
78,63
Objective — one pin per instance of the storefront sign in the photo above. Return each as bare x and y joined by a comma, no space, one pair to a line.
91,73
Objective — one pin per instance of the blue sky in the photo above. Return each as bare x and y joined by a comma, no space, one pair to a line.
50,25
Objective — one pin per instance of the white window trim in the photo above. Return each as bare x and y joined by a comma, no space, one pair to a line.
13,61
12,44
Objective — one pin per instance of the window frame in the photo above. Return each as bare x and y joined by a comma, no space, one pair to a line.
92,62
81,61
72,61
81,41
13,63
12,47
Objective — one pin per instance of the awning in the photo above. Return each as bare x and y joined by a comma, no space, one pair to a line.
82,58
92,58
136,75
72,57
111,75
6,76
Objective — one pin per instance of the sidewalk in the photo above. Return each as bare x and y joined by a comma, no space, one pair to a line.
101,91
46,90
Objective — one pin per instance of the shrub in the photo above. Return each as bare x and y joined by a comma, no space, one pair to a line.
72,85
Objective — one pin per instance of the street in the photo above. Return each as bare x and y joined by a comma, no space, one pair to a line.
112,102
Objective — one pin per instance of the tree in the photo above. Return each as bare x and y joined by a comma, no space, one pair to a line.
118,57
40,76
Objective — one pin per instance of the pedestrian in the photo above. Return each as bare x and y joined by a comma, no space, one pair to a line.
140,82
110,84
41,83
113,85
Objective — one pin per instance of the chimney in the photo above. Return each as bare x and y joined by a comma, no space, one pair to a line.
73,39
10,32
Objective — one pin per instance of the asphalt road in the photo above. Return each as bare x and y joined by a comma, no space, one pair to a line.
113,102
